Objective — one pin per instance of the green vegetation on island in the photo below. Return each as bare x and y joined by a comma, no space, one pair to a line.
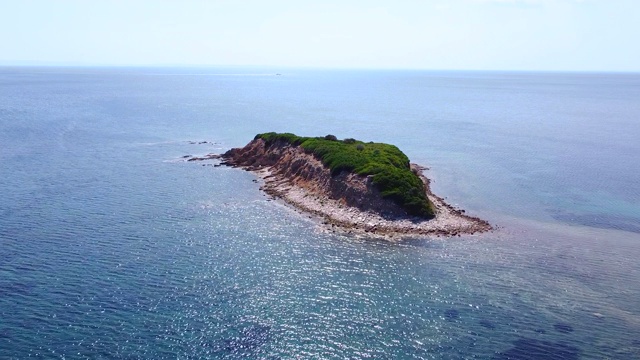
388,166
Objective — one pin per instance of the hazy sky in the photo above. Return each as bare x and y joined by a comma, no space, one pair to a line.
600,35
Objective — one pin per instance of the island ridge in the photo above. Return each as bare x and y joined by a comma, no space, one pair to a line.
352,185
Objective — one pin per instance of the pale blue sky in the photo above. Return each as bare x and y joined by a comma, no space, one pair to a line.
576,35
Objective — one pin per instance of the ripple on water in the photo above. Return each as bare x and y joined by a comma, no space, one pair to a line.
451,314
487,324
533,349
563,328
248,340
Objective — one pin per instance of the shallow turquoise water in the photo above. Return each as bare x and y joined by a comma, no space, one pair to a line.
113,247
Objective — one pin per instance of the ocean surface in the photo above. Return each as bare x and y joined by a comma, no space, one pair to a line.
112,246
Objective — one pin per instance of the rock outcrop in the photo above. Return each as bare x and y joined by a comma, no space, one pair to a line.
291,164
346,200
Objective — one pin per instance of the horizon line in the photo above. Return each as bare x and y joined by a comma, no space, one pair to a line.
303,67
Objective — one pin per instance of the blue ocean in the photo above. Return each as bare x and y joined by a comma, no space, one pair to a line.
114,247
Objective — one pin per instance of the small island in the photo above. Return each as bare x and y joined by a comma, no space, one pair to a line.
351,185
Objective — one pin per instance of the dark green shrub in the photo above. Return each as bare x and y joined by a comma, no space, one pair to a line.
273,137
349,141
331,137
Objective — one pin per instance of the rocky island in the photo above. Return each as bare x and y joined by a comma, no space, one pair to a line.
351,185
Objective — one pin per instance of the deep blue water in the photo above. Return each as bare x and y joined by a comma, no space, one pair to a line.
112,247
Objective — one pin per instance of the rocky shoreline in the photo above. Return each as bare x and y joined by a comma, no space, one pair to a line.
347,202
